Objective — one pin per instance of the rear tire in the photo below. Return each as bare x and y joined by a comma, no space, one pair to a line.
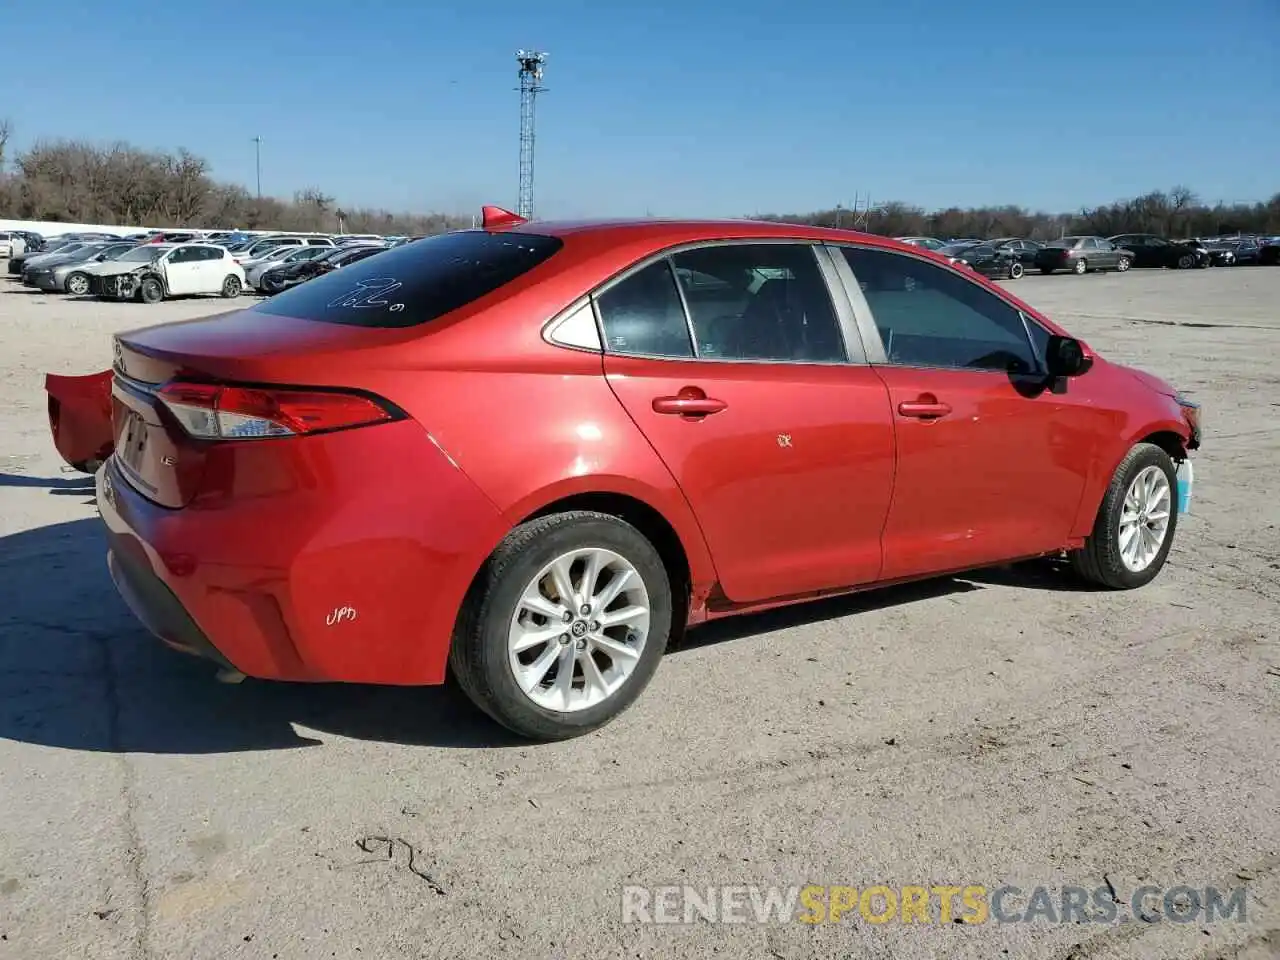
231,287
1102,558
481,657
1081,268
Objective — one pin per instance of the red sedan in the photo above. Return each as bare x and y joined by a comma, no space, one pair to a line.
532,453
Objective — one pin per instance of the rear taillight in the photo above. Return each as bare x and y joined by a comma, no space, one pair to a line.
214,412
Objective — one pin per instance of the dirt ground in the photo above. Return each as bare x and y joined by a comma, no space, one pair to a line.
1003,728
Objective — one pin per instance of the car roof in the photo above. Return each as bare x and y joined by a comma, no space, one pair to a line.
662,233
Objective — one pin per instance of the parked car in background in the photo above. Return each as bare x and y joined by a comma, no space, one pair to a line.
19,264
1269,251
11,243
259,247
181,270
281,278
1024,250
1081,255
1247,251
987,259
638,375
279,257
42,264
929,243
18,242
71,274
1150,250
268,255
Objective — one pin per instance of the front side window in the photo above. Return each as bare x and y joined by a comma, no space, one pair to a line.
769,301
929,316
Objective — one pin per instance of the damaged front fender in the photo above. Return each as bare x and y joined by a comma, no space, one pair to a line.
80,418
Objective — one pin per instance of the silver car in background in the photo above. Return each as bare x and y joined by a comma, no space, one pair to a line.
254,269
268,255
70,273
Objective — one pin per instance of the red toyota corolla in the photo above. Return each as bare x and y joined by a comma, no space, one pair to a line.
530,454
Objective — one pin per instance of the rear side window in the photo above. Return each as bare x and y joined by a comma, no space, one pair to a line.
415,283
642,315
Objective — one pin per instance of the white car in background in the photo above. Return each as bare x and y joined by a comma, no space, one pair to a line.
254,269
152,272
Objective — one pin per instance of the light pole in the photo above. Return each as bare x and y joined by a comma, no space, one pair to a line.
257,159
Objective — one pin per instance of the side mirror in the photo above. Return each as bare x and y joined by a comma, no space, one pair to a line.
1065,357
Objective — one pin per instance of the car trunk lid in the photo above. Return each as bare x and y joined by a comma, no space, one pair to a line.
154,451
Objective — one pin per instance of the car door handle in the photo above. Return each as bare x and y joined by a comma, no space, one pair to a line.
688,406
924,409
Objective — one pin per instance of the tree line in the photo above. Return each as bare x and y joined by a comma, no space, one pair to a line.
79,182
1174,213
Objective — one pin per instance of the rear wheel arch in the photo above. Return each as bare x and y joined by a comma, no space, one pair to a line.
650,522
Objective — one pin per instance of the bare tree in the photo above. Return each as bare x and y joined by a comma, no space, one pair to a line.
121,184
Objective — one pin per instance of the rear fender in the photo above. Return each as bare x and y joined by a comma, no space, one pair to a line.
80,418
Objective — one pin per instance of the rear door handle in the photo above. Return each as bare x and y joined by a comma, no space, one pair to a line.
687,406
923,410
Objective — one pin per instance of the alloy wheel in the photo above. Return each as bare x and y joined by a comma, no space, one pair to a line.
578,630
1144,518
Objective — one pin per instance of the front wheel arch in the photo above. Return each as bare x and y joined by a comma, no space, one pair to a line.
1163,435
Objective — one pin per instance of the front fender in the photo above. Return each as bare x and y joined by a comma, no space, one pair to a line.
1108,459
80,418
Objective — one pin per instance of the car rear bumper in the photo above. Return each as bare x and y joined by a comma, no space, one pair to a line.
155,605
339,557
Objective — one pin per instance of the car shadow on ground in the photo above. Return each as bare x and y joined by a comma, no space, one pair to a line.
77,671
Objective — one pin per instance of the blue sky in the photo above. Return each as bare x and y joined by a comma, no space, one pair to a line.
689,108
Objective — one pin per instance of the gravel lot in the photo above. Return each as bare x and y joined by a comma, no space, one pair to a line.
1002,728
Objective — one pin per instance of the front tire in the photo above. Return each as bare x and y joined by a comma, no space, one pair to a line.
1081,268
1186,261
1136,522
77,284
1124,264
151,290
565,625
1015,271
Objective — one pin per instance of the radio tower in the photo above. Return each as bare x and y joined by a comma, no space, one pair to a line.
531,63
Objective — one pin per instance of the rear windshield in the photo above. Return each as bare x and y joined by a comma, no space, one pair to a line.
417,282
